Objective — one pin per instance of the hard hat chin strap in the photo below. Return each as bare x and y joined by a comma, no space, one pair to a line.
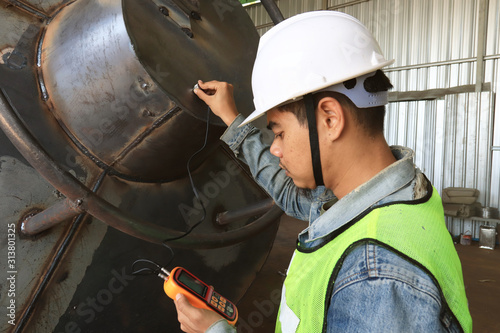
313,139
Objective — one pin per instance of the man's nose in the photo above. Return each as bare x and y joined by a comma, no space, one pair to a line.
276,150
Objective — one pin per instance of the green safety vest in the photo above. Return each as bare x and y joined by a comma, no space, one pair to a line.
414,229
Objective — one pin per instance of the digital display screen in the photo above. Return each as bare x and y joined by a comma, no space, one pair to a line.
192,284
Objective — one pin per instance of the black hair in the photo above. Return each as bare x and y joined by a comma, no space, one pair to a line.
371,119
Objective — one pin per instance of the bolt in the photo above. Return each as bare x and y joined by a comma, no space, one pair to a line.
79,202
195,16
147,113
188,32
164,10
58,194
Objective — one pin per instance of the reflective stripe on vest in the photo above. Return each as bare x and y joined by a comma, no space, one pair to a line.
415,229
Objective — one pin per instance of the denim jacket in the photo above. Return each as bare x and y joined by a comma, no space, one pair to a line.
375,290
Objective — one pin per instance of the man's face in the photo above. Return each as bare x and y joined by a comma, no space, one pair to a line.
291,145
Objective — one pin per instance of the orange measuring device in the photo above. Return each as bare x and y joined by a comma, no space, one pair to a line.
199,294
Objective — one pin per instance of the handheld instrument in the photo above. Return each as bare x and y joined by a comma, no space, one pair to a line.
199,294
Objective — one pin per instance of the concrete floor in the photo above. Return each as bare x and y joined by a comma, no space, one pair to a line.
481,269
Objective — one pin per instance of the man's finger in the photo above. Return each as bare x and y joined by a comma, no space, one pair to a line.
209,88
203,95
208,85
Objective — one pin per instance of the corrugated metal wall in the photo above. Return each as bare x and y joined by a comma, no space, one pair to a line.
446,77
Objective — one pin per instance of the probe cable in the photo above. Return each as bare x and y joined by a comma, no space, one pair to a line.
194,187
156,267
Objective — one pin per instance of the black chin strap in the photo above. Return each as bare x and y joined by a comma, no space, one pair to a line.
313,139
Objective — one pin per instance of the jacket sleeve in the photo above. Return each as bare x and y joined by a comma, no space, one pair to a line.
221,326
247,145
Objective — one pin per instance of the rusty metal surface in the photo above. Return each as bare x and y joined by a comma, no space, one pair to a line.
107,298
95,290
20,84
118,218
93,203
17,23
222,183
21,190
76,276
106,101
41,9
166,51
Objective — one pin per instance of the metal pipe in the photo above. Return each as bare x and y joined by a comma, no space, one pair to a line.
440,63
258,208
52,216
73,189
481,43
429,64
347,4
273,10
54,264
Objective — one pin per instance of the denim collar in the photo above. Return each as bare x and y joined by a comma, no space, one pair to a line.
378,189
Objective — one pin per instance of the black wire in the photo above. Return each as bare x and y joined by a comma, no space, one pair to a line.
171,254
195,191
148,270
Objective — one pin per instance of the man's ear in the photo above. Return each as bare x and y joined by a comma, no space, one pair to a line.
331,117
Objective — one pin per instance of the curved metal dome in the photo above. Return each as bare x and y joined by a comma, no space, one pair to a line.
118,76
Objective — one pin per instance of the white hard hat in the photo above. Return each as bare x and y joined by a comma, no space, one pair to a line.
309,52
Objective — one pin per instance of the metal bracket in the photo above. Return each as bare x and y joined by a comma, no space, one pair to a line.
178,14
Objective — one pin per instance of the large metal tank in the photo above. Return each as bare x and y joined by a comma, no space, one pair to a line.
98,124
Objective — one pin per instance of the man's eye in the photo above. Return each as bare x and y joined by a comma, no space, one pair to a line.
278,135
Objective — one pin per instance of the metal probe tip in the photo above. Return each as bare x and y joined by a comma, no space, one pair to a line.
164,274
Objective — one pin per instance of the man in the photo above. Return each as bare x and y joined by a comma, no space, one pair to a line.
376,256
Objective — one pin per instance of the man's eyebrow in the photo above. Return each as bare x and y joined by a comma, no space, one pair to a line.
271,125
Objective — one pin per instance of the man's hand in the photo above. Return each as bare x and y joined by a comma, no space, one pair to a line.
192,319
219,97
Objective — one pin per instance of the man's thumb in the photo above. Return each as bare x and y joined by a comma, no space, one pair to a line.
180,298
182,301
